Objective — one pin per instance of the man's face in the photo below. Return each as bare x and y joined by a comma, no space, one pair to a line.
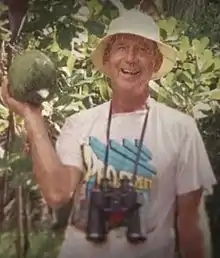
131,61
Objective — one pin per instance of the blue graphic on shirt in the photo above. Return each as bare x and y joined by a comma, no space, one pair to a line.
121,161
118,153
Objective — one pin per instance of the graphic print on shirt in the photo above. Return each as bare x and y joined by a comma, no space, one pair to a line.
121,162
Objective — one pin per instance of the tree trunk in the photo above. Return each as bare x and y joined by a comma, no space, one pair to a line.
20,226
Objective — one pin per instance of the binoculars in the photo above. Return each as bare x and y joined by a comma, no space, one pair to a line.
107,201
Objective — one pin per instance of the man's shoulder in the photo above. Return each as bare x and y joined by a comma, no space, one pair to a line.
90,114
173,116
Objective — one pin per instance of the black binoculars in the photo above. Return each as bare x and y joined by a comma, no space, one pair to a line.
106,201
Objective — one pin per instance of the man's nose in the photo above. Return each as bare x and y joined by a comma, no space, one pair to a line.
131,54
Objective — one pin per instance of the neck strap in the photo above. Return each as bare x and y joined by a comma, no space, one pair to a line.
139,146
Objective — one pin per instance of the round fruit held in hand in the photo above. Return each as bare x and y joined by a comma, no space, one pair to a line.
32,77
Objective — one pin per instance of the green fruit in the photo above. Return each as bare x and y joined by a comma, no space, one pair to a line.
32,77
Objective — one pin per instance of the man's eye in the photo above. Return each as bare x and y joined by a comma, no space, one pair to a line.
120,46
143,49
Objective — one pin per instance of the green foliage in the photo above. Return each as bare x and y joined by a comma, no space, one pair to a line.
4,32
69,41
206,24
193,85
67,32
44,244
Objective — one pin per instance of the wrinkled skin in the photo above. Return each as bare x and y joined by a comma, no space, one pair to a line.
130,62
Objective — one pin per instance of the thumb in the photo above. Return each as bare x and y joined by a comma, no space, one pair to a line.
4,91
7,98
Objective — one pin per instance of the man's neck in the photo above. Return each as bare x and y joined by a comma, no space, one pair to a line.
123,104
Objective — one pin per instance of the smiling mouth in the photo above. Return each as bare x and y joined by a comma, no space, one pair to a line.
128,72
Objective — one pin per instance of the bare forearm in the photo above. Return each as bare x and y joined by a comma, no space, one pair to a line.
42,151
56,180
49,171
191,242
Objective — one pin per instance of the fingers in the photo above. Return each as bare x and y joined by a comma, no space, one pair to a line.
7,99
4,91
14,105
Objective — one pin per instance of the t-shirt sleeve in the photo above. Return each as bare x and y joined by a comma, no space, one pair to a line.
68,145
194,169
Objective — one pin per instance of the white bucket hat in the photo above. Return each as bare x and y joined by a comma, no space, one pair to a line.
141,24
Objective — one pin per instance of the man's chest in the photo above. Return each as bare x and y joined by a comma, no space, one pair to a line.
125,155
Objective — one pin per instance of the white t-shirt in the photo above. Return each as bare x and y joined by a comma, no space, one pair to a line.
173,161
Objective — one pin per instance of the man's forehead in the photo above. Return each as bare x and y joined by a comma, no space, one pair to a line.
124,38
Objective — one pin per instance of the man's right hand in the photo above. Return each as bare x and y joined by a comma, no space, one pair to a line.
57,181
23,109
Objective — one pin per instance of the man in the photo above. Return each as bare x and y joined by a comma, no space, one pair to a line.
172,166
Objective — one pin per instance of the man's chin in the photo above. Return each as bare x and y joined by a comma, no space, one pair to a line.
128,85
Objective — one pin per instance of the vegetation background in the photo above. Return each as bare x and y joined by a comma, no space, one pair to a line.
67,31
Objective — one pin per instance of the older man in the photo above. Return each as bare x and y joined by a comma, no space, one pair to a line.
131,134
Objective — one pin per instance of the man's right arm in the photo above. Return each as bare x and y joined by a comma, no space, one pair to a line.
56,180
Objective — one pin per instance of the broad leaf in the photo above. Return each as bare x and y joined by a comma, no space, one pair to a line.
215,94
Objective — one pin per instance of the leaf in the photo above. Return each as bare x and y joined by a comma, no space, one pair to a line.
79,96
154,86
3,125
65,52
95,27
163,34
73,106
202,106
3,111
199,46
168,25
184,44
205,60
206,78
168,80
65,70
217,63
82,14
182,55
64,100
70,63
186,77
190,67
198,114
104,89
204,42
54,47
215,94
218,84
4,164
3,8
17,144
94,6
22,165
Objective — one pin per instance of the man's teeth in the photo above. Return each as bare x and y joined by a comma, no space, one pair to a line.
129,72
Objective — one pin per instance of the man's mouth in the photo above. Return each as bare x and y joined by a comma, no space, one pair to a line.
129,72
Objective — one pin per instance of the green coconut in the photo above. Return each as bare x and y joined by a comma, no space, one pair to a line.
32,77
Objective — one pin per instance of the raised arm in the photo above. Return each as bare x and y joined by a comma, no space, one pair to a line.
57,180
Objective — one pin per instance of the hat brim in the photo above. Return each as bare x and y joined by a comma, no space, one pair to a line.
168,53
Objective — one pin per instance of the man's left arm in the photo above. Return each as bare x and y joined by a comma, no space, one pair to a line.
194,175
191,239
